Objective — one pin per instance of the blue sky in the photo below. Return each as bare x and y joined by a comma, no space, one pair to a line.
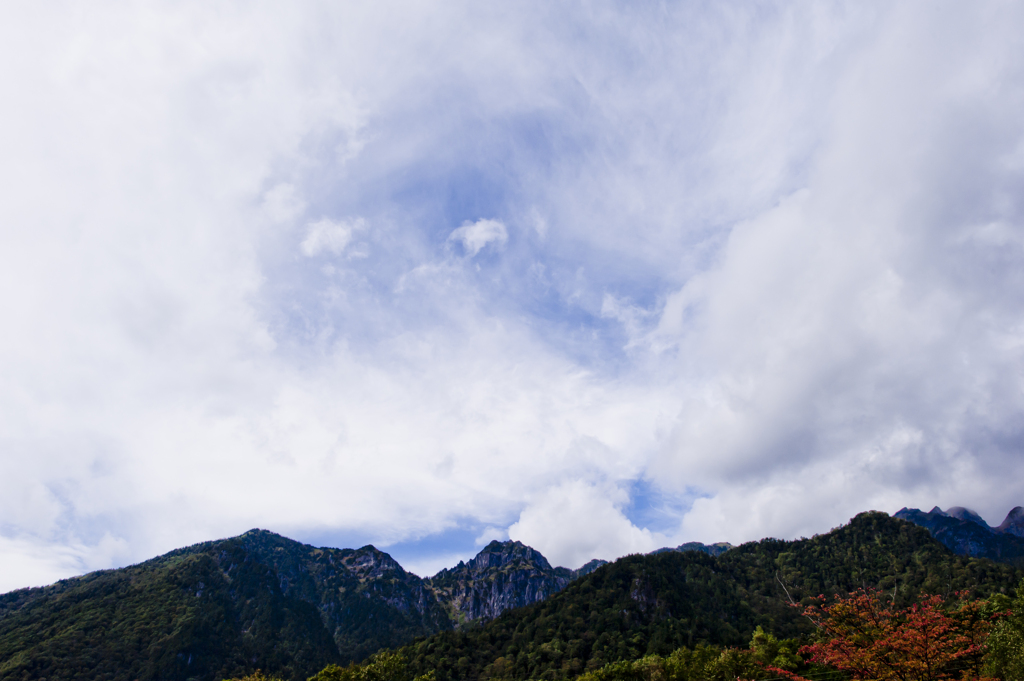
597,277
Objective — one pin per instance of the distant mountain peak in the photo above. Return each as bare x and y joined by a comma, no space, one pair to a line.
1014,523
588,567
715,549
498,554
962,513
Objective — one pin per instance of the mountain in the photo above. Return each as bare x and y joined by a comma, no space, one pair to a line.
588,568
961,513
224,608
645,604
261,601
965,532
710,549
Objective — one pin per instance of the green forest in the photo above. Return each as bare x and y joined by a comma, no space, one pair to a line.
862,635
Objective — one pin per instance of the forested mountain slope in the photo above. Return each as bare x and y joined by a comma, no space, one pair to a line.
208,612
656,603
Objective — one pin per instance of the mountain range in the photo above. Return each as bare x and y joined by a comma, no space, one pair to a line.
965,532
262,601
216,606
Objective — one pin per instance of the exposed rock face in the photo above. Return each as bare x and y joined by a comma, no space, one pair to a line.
502,576
964,532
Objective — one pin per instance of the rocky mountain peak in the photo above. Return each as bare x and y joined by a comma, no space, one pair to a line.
499,554
503,575
371,562
1014,523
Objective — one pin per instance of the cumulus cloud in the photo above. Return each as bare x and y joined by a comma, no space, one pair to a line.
765,260
475,235
577,520
492,534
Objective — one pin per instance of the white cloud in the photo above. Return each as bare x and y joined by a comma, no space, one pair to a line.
491,534
575,521
329,235
30,562
283,204
430,566
475,235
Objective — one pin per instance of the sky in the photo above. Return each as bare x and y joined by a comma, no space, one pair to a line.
596,276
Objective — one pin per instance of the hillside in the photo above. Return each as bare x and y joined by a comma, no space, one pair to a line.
656,603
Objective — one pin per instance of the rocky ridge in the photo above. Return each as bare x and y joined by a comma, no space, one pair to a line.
360,591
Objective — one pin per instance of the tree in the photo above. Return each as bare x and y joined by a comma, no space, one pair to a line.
769,651
257,676
1006,644
866,636
384,666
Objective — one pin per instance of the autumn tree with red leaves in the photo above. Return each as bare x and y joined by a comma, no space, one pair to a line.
866,636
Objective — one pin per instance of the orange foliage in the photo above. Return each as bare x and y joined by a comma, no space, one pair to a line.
867,637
